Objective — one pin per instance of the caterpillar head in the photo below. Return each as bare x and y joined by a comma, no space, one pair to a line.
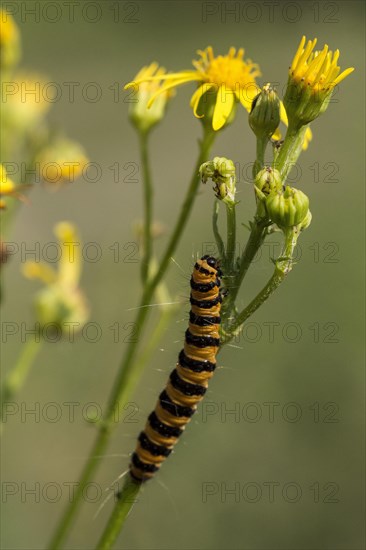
210,261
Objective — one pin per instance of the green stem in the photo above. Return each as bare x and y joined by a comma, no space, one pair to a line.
125,501
256,238
231,237
254,243
16,378
260,152
283,267
148,195
219,242
126,380
290,150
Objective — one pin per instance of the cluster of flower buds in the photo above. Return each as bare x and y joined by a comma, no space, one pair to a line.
286,207
289,208
222,173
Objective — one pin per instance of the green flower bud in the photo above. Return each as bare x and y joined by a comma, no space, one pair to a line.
53,306
63,161
287,208
268,180
264,116
222,172
148,102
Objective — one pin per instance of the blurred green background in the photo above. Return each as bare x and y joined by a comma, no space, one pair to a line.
311,450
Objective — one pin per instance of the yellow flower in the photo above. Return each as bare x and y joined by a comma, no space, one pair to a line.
62,302
61,162
144,117
229,76
313,76
9,40
317,69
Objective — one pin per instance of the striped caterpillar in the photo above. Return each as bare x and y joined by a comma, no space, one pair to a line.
188,382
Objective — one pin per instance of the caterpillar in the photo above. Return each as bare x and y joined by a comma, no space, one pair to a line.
188,382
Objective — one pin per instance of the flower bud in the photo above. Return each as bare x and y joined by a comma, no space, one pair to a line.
147,104
287,208
268,180
53,306
61,162
264,116
24,112
222,172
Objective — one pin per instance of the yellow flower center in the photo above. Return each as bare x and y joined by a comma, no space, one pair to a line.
228,70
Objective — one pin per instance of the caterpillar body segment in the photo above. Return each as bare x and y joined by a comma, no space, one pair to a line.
188,382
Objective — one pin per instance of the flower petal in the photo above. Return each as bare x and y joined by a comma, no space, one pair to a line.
247,94
277,135
42,271
283,114
298,53
183,75
224,105
307,138
343,75
165,87
196,97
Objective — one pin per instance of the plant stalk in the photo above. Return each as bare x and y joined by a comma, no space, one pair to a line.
148,196
231,237
283,266
126,498
290,150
